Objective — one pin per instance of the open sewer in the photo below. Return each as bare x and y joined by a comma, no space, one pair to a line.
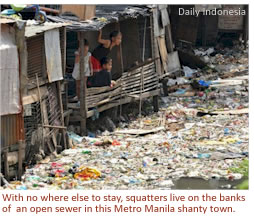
211,184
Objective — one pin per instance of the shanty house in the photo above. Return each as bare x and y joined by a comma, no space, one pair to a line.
31,97
12,120
136,62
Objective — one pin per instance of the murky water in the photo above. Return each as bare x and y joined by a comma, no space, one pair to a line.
212,184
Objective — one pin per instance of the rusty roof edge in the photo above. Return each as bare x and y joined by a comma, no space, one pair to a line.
32,29
6,19
99,21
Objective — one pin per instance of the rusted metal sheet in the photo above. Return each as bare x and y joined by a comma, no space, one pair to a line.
6,20
36,57
131,43
32,29
9,70
234,21
184,27
12,129
111,13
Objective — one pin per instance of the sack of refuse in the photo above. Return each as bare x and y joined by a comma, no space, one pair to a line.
171,82
207,52
188,72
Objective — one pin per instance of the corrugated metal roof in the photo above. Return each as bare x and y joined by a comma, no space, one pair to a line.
104,15
32,28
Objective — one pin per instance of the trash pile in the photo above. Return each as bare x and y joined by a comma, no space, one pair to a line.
141,157
200,136
228,61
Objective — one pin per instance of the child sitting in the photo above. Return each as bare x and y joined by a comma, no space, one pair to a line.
88,71
102,78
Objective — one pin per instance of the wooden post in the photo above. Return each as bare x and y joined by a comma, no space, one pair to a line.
62,112
142,71
169,36
22,49
6,164
64,57
170,41
64,71
82,86
21,152
41,106
156,52
156,103
155,98
120,58
165,87
119,51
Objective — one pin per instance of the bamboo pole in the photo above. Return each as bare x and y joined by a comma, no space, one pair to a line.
54,126
42,118
120,52
62,112
142,71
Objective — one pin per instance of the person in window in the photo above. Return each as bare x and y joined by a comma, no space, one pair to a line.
104,48
88,71
102,78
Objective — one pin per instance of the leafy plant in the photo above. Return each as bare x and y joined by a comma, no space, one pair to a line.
242,169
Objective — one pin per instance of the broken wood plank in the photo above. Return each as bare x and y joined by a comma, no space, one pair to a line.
138,70
33,95
231,112
169,38
126,99
163,52
45,121
155,49
98,90
139,131
67,118
53,126
158,31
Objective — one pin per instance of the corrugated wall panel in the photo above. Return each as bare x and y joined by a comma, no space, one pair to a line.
12,129
36,57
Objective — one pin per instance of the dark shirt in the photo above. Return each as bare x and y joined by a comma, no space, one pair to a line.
99,79
100,52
